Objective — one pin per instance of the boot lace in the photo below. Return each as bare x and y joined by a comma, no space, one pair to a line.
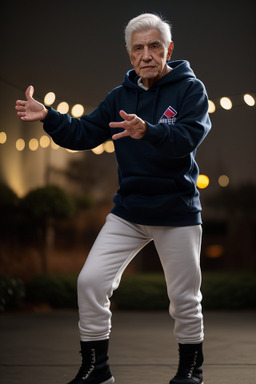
88,365
187,364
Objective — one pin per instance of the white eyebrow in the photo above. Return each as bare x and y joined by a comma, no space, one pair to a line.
149,43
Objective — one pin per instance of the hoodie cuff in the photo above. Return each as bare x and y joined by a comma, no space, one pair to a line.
154,133
52,119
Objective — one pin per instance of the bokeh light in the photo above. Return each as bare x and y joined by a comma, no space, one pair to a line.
249,100
33,144
20,144
226,103
45,141
49,98
223,180
212,107
214,251
3,137
54,145
63,107
71,150
109,146
203,181
77,110
98,150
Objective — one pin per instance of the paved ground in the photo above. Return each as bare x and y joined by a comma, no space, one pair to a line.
42,348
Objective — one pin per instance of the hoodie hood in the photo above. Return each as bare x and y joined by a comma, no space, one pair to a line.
180,70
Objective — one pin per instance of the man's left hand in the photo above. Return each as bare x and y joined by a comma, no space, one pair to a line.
133,126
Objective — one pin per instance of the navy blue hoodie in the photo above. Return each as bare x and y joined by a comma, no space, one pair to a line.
157,174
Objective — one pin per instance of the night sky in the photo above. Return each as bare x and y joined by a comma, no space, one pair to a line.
76,49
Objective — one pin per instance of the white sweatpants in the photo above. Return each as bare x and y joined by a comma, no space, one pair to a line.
116,245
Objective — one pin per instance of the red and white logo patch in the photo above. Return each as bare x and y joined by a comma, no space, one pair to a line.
169,116
170,112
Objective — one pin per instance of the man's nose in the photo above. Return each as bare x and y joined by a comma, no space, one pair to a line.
146,54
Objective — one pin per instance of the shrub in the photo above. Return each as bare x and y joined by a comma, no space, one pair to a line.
57,290
12,293
9,207
227,290
47,202
139,292
83,202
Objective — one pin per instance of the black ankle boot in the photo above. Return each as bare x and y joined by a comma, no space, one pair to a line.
94,368
190,365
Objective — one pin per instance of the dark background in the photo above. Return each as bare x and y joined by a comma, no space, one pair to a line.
77,50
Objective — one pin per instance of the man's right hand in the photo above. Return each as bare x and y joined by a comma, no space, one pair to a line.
30,109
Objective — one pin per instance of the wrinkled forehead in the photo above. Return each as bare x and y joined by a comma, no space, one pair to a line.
146,37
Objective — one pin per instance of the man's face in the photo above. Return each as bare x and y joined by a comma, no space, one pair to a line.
149,55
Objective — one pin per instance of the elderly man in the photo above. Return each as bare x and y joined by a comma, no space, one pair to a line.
157,119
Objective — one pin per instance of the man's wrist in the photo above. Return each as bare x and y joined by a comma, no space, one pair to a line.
145,128
44,114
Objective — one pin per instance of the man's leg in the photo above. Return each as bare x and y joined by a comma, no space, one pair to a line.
116,245
179,251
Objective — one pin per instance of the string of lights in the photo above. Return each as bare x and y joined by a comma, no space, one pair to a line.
228,103
44,142
224,102
77,110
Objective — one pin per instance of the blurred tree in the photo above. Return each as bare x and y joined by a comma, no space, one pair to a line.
9,211
238,204
41,208
9,203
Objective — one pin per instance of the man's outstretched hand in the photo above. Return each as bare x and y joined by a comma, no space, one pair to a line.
30,109
132,124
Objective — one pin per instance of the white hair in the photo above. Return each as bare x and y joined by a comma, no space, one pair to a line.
147,21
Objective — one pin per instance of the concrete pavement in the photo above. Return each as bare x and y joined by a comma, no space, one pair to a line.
42,348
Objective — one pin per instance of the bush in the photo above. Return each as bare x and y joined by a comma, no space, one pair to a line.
9,207
83,202
50,201
227,290
12,293
142,292
57,290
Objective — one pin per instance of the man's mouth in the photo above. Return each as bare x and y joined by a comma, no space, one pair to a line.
148,67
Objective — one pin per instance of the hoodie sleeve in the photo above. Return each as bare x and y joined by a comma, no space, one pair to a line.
79,134
184,136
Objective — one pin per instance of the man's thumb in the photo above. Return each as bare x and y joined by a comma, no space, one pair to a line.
29,92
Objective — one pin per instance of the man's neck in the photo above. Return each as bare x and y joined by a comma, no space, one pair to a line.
140,81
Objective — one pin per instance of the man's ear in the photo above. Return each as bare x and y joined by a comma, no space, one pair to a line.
129,54
170,50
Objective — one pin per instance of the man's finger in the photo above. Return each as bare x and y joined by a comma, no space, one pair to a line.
117,124
122,124
20,103
126,116
21,113
29,92
120,135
